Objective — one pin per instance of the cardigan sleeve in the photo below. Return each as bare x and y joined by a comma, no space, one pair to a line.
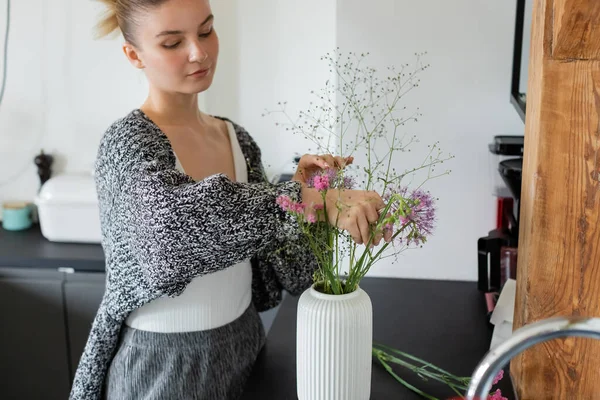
287,263
175,228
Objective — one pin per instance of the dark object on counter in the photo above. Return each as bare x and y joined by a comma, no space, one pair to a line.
44,165
506,145
489,257
497,252
511,172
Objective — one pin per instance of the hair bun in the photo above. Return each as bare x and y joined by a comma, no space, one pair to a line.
109,22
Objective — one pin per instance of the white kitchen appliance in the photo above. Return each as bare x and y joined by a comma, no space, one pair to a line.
68,209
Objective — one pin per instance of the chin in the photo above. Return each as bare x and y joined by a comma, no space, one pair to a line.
198,87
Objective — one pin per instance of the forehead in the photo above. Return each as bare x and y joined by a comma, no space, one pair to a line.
175,15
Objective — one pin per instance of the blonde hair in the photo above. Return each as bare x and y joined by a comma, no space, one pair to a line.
121,15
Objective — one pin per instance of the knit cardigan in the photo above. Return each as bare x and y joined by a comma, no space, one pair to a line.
161,229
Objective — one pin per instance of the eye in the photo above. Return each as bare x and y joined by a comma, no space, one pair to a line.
206,34
171,46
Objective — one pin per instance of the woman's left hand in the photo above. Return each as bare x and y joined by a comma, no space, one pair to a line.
311,163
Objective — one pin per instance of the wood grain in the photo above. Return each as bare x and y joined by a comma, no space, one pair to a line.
576,32
559,247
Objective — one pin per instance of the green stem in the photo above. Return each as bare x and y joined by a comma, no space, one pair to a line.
408,385
411,357
420,371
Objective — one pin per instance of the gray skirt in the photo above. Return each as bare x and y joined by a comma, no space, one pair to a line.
207,365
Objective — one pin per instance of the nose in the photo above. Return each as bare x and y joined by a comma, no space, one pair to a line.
197,52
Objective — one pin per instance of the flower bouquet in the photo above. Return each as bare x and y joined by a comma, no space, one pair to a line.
367,125
362,116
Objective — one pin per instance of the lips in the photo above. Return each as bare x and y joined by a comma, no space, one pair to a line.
200,72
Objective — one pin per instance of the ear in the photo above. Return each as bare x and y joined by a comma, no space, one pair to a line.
133,55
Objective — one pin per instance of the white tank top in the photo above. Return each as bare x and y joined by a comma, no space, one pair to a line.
209,301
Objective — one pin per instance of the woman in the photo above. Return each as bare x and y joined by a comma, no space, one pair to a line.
195,243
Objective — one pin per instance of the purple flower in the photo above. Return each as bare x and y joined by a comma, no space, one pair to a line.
418,216
348,182
423,212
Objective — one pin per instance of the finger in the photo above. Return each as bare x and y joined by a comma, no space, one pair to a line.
364,226
377,239
388,231
329,159
378,201
342,162
371,212
309,160
354,231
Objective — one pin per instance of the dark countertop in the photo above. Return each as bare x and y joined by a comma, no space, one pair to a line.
29,249
443,322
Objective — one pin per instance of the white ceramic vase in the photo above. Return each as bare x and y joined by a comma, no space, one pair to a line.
334,339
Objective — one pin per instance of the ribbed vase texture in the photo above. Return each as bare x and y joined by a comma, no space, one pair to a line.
334,339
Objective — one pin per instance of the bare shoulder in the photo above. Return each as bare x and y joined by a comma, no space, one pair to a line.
215,123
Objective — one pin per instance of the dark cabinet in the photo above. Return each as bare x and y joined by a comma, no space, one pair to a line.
45,319
83,294
33,350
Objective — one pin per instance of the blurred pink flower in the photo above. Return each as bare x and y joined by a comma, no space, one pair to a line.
321,182
332,178
284,202
498,377
497,395
287,204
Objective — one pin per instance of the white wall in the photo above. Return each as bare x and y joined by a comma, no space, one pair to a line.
63,90
270,52
464,97
64,97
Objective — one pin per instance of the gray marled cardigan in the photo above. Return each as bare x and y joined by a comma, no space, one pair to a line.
161,229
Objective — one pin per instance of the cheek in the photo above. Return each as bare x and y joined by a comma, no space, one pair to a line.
168,61
214,45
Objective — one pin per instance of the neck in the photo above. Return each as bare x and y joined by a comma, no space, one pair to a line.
173,108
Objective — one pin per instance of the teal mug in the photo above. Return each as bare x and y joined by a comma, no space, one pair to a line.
17,216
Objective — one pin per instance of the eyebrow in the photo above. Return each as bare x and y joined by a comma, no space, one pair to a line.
206,21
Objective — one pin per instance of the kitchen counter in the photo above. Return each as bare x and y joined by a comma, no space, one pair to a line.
443,322
29,249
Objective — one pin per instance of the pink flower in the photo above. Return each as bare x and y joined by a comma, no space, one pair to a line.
318,207
321,182
287,204
284,202
497,395
498,377
311,218
297,207
330,177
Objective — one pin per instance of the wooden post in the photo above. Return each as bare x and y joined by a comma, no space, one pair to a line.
559,247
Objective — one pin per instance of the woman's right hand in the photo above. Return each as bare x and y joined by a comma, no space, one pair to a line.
354,211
